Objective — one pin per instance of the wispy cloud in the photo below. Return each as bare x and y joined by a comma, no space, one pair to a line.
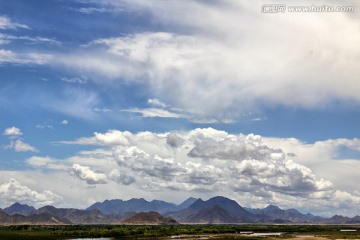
7,38
73,102
221,73
8,56
44,126
20,146
6,23
154,102
154,112
74,80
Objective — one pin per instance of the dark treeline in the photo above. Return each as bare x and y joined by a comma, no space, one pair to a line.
128,231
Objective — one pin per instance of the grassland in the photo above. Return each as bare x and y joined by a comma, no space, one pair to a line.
241,232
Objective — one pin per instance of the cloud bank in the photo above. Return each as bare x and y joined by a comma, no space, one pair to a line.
12,191
254,170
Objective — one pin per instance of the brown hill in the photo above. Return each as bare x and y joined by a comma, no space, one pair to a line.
149,218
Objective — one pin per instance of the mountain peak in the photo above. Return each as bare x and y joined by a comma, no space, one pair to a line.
272,207
18,208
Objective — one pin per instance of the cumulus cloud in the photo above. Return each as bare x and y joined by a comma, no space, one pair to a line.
208,160
91,177
64,122
13,131
12,191
121,177
18,145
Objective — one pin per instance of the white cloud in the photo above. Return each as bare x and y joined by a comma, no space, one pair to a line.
121,177
20,146
8,56
111,137
86,174
64,122
155,112
6,23
13,131
12,191
209,160
7,38
44,126
162,110
47,163
74,80
224,57
154,102
103,110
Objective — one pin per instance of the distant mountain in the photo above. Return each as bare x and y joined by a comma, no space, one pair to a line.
139,211
20,209
354,220
182,215
83,216
337,219
187,203
43,218
219,209
233,207
149,218
118,206
212,214
275,214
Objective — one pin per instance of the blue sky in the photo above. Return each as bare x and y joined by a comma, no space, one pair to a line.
139,95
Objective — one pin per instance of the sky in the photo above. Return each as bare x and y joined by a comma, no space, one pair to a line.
166,99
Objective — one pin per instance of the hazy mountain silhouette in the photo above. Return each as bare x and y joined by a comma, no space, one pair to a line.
136,211
119,206
20,209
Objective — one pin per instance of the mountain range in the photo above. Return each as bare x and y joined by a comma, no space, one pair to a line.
216,210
